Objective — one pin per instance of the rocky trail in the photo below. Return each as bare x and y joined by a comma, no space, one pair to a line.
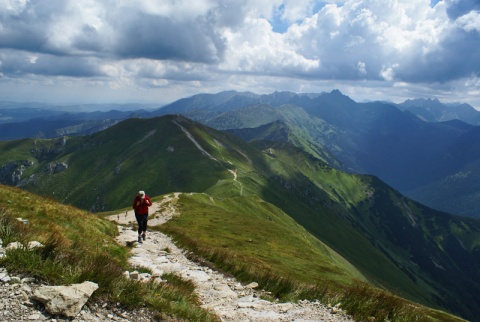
20,296
224,296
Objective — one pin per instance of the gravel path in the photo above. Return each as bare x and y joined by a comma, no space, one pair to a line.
224,296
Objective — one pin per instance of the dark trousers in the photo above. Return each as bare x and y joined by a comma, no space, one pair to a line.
142,222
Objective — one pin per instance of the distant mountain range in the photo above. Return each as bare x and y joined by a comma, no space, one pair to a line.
28,120
395,243
425,149
432,110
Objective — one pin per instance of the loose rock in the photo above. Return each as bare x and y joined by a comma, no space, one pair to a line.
65,300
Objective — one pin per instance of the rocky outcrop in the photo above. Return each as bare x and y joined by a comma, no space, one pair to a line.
11,173
55,167
49,150
65,300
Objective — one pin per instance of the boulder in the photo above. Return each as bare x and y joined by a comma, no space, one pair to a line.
35,244
65,300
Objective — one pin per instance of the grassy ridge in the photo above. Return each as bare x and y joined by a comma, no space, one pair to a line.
323,200
256,241
236,222
80,246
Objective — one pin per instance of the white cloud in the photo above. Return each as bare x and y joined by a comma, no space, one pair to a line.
361,66
470,22
222,44
255,48
388,72
180,10
296,10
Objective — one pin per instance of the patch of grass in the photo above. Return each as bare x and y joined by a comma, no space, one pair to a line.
80,246
8,233
364,302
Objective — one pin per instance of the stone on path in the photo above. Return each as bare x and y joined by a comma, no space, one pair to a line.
65,300
252,285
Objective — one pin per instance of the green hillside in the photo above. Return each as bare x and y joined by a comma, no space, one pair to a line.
410,248
371,232
261,236
106,168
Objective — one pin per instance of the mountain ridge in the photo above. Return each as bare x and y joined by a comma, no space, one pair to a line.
374,138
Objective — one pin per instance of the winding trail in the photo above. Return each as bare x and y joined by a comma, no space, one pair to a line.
224,296
234,173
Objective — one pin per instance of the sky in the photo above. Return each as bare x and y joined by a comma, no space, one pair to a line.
157,51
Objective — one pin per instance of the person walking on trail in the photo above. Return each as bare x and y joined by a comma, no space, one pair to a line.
140,206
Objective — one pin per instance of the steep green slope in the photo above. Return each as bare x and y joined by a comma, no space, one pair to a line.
103,171
263,236
399,244
291,124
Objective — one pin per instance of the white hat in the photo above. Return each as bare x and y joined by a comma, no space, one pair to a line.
141,192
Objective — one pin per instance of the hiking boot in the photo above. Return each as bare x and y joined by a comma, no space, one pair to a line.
144,236
140,239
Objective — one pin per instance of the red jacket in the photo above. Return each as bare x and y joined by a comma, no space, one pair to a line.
141,205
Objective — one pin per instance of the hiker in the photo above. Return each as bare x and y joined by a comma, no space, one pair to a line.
140,206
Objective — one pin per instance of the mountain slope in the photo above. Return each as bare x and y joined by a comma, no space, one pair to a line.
458,191
392,241
101,171
416,239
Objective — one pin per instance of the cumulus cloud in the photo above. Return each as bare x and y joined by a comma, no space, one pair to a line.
156,43
178,30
